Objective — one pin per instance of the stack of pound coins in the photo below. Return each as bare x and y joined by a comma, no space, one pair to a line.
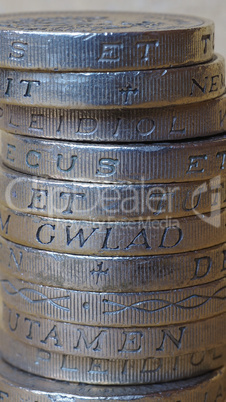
112,208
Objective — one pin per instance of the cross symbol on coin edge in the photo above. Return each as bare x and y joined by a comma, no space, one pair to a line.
99,271
127,91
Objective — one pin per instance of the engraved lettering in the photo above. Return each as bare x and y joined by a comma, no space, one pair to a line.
87,126
206,40
145,47
30,330
132,342
42,356
219,393
53,335
72,165
160,199
40,230
197,358
178,130
115,133
94,344
223,155
203,264
105,244
10,149
196,84
110,52
37,122
168,232
145,127
107,167
167,334
5,226
141,234
193,205
97,366
18,50
66,360
214,83
29,157
194,164
70,197
3,395
151,365
216,357
29,87
13,327
60,124
80,235
222,118
39,199
11,123
128,92
9,86
18,262
176,363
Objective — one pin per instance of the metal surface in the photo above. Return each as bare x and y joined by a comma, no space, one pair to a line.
154,163
130,89
107,371
117,125
112,208
17,386
112,274
116,309
154,237
114,343
103,41
107,202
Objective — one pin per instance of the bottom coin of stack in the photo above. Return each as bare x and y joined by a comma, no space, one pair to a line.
17,386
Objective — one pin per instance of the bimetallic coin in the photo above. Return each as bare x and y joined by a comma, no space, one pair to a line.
104,309
129,89
117,125
107,202
17,386
114,343
153,163
151,237
106,371
112,274
103,41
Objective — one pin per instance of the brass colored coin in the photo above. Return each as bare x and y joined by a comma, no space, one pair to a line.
103,41
112,274
114,343
106,371
103,202
117,125
125,310
128,89
17,386
153,163
151,237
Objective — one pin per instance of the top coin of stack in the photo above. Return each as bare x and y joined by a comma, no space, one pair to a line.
106,293
82,41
